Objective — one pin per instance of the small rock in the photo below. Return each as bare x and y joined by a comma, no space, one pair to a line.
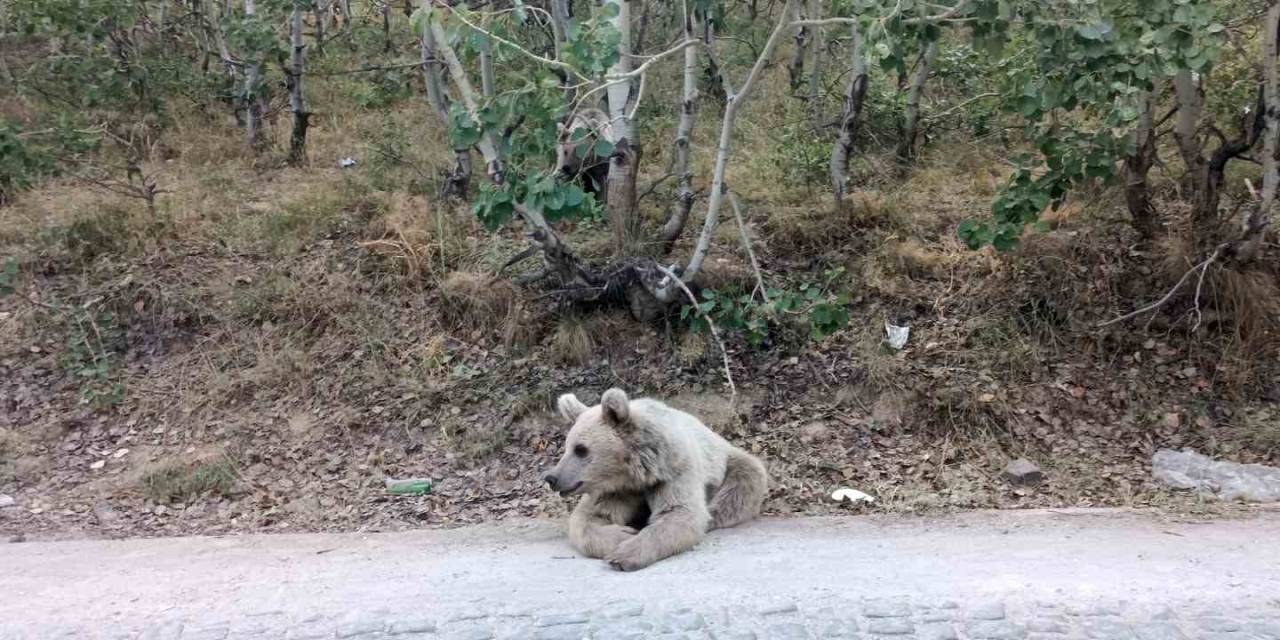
1024,472
816,432
305,505
106,514
98,464
7,501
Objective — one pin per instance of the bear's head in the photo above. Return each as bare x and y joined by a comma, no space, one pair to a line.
596,455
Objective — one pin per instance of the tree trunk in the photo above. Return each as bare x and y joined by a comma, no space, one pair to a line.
458,180
252,93
910,126
714,78
733,102
795,70
348,29
560,15
1137,190
386,26
1259,218
849,118
815,65
320,11
1186,129
624,163
561,263
680,209
1209,181
486,64
297,99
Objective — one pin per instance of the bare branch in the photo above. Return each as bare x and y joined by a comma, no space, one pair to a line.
1169,296
733,102
563,66
724,353
746,244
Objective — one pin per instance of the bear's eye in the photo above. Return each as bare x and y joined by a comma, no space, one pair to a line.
580,451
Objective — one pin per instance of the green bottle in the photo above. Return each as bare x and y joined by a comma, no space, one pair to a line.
409,486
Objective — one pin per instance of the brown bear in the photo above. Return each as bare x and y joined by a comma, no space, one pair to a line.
653,480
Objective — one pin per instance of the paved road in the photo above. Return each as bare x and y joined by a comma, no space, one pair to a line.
998,576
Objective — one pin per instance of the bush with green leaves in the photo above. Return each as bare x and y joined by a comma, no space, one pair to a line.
802,155
1077,75
91,356
522,118
823,311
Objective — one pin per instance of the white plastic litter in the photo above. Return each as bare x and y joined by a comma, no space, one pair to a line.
852,495
347,163
897,336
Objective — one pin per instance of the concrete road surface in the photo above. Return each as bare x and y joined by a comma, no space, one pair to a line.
988,575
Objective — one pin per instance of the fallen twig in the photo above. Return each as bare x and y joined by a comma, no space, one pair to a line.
746,244
724,353
1201,267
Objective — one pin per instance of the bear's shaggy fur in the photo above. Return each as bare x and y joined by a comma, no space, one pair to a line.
653,480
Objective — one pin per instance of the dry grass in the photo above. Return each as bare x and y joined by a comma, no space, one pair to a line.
182,481
8,446
573,342
424,239
486,304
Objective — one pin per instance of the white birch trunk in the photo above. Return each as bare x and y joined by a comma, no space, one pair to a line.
620,195
252,86
680,209
297,99
733,102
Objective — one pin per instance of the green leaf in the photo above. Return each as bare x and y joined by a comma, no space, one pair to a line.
574,196
603,148
420,19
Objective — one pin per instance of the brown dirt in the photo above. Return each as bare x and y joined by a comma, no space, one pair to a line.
321,335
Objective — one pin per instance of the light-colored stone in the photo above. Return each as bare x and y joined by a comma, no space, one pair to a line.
1023,472
1187,469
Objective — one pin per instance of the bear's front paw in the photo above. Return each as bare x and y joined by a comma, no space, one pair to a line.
614,536
627,557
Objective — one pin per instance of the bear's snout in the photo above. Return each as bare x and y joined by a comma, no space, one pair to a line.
564,488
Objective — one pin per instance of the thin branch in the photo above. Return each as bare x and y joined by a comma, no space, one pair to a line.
943,114
619,78
1199,286
746,244
366,69
733,102
1169,296
563,66
635,100
724,353
949,14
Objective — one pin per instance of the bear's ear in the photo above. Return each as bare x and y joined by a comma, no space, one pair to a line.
617,409
570,407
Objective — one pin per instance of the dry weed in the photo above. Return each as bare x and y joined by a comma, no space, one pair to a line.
573,342
182,481
427,239
486,304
